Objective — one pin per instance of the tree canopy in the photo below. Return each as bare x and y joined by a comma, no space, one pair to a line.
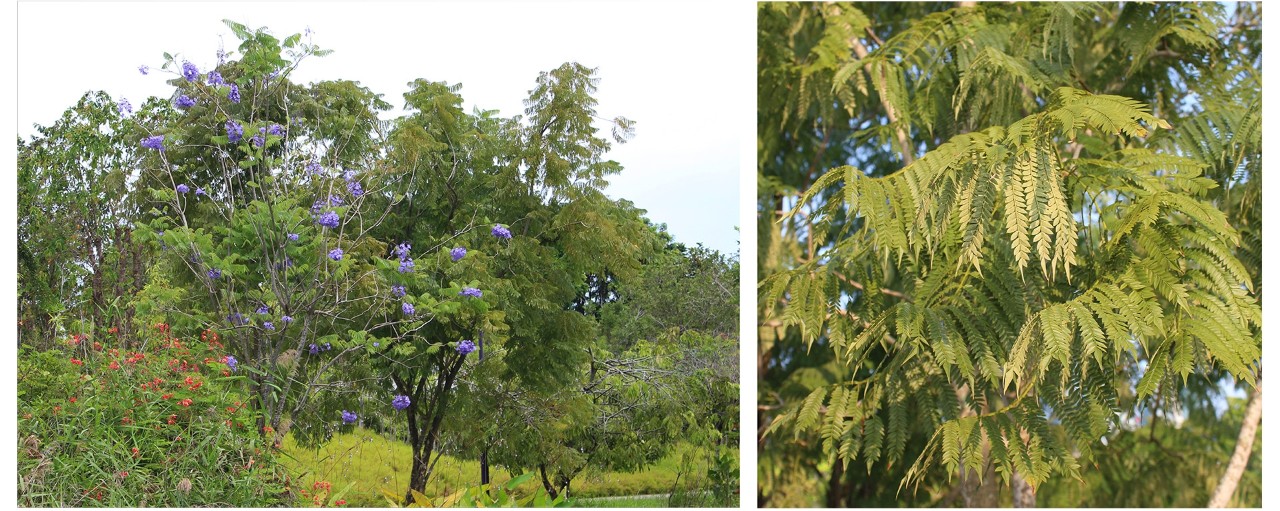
992,233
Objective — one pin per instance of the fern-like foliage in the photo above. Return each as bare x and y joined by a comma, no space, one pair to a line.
1032,277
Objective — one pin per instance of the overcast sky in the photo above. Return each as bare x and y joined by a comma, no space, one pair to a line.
665,66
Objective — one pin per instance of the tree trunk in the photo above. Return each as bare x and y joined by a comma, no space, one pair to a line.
1244,448
1024,495
546,483
835,486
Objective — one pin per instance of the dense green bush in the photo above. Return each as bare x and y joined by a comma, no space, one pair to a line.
162,425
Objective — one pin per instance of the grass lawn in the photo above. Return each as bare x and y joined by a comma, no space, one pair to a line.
374,463
637,501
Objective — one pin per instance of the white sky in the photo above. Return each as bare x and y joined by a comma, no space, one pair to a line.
662,65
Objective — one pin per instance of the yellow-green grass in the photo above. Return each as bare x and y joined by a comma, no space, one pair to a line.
374,463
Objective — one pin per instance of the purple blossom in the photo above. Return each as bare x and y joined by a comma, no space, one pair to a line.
276,129
215,274
316,207
349,417
235,132
402,250
215,78
400,402
268,325
470,291
501,232
190,72
375,345
258,140
327,346
262,309
156,142
231,362
234,95
314,167
355,188
293,236
200,191
407,308
406,266
458,253
124,107
466,346
185,101
335,200
143,69
182,188
335,254
286,319
329,219
398,290
236,318
222,56
315,350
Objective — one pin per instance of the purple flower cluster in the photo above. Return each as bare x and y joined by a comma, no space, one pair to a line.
234,95
314,168
231,362
182,188
268,325
466,346
156,142
407,308
402,250
329,219
143,69
237,319
124,107
276,129
215,274
400,402
200,191
235,132
458,253
355,188
286,319
185,101
263,309
293,236
470,291
315,350
349,417
335,200
335,254
190,72
501,232
259,139
215,79
398,290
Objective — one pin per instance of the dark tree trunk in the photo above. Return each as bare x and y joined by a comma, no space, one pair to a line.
546,483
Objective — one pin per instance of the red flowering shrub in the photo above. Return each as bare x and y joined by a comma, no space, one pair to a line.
152,416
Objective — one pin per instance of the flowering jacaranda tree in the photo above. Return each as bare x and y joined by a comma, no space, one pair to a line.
262,193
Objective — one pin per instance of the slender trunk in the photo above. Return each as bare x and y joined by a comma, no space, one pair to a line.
1244,448
546,483
835,487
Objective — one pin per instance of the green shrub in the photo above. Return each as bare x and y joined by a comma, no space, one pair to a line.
162,425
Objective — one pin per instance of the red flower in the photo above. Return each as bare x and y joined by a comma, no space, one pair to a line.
73,399
77,361
341,502
115,365
166,396
135,452
185,402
